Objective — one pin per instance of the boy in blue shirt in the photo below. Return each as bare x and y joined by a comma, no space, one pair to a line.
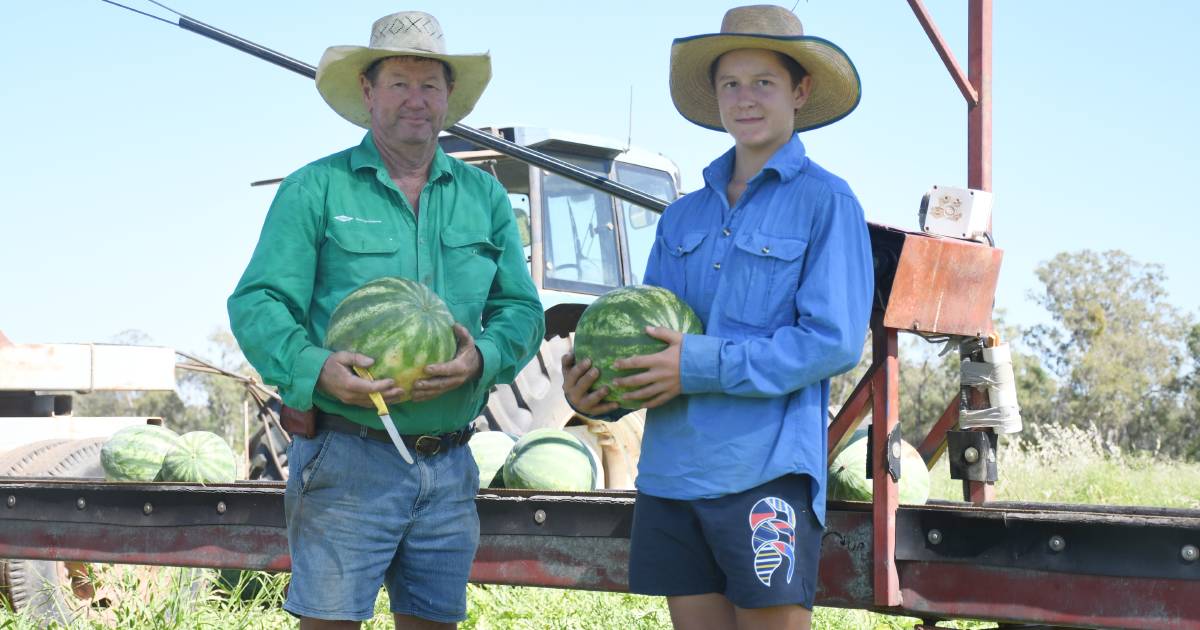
773,255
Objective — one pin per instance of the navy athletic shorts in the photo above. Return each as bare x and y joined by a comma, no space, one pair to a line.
758,548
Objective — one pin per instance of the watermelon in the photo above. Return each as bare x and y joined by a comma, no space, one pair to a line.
550,459
200,457
848,474
400,323
613,327
136,453
490,450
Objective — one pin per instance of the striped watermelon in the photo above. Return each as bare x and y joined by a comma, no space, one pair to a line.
136,453
490,450
550,459
400,323
200,457
613,327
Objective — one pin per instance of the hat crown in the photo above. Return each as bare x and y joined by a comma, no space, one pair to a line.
408,30
762,19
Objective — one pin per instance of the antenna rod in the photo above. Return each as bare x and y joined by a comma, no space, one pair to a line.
524,154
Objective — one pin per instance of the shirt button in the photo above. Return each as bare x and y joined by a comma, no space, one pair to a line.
766,250
717,265
726,232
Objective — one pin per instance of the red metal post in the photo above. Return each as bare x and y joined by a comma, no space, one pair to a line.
979,115
885,418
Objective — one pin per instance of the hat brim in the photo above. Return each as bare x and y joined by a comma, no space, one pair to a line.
836,87
340,67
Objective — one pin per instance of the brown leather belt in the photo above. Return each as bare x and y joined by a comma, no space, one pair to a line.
424,444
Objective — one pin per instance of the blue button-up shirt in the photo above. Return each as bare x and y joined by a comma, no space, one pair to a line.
782,282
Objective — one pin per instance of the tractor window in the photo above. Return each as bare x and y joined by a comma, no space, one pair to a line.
579,231
639,223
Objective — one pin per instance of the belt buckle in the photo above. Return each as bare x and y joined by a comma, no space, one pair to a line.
428,444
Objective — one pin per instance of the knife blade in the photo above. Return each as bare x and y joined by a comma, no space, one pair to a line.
385,417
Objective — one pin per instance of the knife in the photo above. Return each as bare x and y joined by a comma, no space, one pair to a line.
385,417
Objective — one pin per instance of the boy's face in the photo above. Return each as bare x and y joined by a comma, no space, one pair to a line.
756,98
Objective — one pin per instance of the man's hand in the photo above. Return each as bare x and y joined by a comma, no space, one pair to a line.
443,377
338,380
578,379
659,383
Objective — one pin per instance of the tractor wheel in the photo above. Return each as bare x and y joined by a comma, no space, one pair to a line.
534,399
262,465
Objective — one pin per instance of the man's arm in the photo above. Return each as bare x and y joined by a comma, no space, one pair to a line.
834,303
513,321
272,297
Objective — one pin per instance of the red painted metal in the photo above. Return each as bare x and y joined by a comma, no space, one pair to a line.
885,418
943,51
853,410
943,286
934,444
1090,601
979,116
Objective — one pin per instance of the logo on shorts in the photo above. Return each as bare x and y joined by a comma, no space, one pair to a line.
773,523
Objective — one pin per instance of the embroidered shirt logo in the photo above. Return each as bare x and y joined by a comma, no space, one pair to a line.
346,219
773,538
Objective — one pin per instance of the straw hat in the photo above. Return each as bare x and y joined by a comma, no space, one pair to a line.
835,85
408,33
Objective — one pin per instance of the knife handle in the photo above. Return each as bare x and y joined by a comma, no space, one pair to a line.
375,397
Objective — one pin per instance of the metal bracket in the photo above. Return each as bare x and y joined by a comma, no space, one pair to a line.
972,455
893,454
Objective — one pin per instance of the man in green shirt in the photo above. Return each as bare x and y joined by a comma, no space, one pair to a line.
395,205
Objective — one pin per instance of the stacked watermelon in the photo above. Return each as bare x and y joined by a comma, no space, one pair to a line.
400,323
152,453
490,450
551,459
613,327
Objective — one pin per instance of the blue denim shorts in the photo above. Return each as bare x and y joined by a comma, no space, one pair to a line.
359,516
759,548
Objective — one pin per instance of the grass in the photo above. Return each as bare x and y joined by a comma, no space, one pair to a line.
1057,464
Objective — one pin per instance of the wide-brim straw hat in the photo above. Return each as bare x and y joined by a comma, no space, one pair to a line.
835,91
408,33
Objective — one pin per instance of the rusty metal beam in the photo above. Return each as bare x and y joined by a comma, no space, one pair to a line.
943,50
934,444
979,114
853,410
885,420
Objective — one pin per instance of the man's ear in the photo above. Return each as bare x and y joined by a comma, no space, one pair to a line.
366,86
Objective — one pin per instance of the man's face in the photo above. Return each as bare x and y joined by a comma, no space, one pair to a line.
407,101
756,98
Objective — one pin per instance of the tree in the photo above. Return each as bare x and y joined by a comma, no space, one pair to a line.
1114,344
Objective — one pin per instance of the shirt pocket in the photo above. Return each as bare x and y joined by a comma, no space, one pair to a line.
357,253
680,252
765,278
469,263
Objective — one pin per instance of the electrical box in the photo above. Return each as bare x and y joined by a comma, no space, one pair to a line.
957,213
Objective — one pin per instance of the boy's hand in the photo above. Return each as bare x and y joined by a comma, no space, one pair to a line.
578,379
659,383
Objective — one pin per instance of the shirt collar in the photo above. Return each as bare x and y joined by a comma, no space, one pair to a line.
787,162
366,155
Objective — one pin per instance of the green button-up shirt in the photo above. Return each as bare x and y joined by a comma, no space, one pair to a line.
340,222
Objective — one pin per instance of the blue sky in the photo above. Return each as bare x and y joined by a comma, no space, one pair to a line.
129,145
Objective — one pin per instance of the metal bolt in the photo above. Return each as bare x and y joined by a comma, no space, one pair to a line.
934,536
147,509
539,517
896,450
1057,543
80,504
12,500
220,507
1189,553
971,455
